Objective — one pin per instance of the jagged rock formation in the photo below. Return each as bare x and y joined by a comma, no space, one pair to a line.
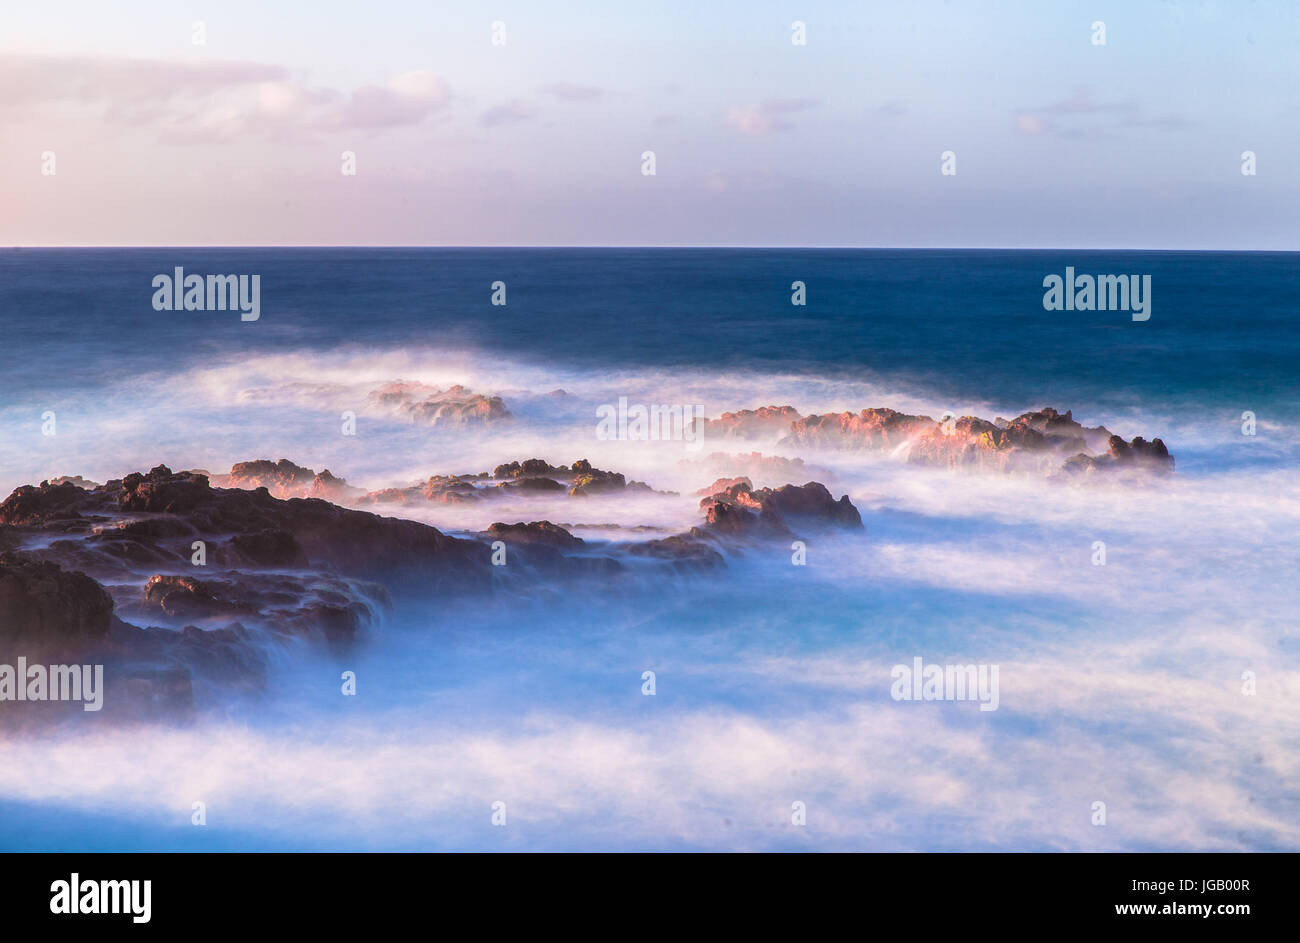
284,479
1042,441
427,405
179,587
766,422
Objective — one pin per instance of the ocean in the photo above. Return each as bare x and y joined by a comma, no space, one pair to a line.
1122,683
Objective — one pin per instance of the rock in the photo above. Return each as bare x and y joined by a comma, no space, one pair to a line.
534,485
74,480
766,422
723,484
537,532
1124,457
741,511
48,609
40,505
1062,428
811,503
283,479
685,553
330,488
268,548
161,490
187,597
581,480
871,428
588,480
427,405
1041,441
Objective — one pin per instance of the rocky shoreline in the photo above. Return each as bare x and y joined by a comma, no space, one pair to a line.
181,582
174,583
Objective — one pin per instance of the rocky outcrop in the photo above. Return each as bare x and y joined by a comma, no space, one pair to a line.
1042,441
686,554
722,484
766,422
153,521
427,405
580,480
1138,455
183,589
284,479
531,477
537,532
44,504
74,480
869,429
336,609
47,609
742,511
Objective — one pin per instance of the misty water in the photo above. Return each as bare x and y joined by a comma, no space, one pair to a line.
1120,683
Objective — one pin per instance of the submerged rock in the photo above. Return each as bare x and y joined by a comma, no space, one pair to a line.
428,405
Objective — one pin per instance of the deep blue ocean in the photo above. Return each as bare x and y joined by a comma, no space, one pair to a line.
963,323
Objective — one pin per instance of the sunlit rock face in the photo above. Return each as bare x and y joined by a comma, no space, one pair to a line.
1043,442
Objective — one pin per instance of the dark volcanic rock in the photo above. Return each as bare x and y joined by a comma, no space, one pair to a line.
1138,455
47,608
537,532
686,553
187,597
268,548
739,510
38,505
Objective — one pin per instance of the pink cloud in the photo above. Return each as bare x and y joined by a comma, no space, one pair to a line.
192,102
768,116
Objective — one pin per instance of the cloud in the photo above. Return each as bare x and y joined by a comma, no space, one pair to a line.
512,112
574,93
407,99
190,102
1080,114
768,116
45,80
1030,124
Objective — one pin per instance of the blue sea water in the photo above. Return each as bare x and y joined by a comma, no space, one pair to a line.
1121,682
967,323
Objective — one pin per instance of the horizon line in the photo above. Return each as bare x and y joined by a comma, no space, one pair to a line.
865,248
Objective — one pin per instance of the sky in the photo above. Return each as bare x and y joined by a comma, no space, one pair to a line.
1058,141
